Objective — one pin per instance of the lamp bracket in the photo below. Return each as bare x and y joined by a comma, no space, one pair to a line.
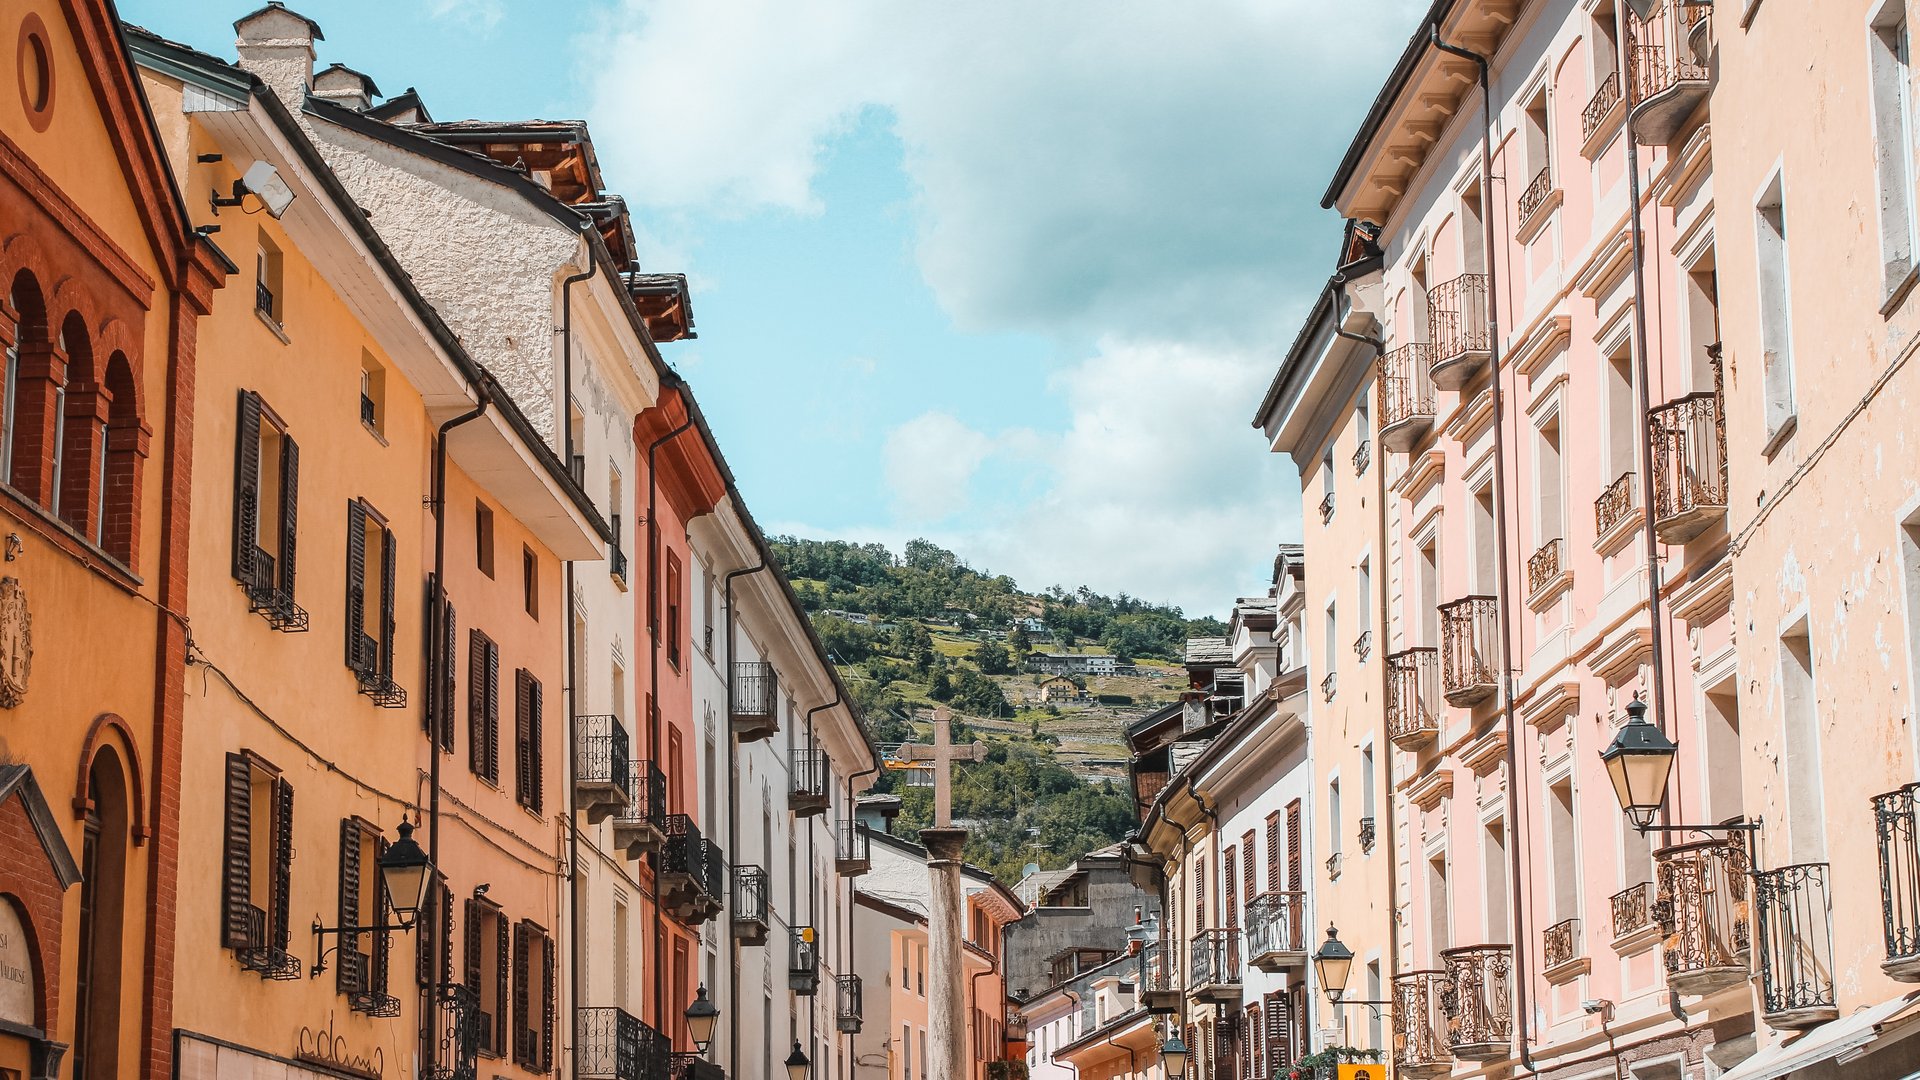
340,932
1737,828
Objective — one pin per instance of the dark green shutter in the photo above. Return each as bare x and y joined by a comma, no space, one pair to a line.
281,932
289,511
356,583
246,486
236,864
387,548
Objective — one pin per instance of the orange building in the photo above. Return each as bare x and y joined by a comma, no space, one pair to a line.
102,286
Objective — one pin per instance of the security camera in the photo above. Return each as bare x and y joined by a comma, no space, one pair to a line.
262,180
1597,1006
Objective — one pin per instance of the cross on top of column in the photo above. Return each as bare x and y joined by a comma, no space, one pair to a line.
943,754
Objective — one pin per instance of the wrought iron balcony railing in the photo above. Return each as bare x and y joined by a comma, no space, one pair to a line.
640,826
1616,503
263,299
1703,910
807,775
750,905
1459,329
692,872
1406,395
267,597
1689,465
1362,457
1413,697
1328,685
615,1045
1666,82
755,708
1560,943
1276,930
1632,909
1363,645
853,848
848,1011
451,1049
265,953
1600,106
1543,566
1326,507
1469,649
1793,914
1478,1001
1215,966
602,768
803,960
1420,1048
616,557
1532,199
1366,835
1894,826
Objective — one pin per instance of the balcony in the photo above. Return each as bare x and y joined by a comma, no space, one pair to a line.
616,558
1478,1001
1702,909
1214,974
1544,566
1363,645
1665,81
1419,1026
640,827
1362,457
1632,910
1326,507
1366,836
267,599
688,1065
853,849
750,905
1792,911
1162,987
614,1045
1689,466
1605,98
1617,502
803,961
807,794
1535,197
1458,328
1406,396
453,1035
1413,698
1894,826
692,872
1276,931
847,1009
263,955
755,710
1469,642
1328,685
1560,943
602,771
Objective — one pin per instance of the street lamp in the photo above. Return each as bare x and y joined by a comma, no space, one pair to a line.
702,1015
1333,963
797,1063
406,871
1640,763
1173,1055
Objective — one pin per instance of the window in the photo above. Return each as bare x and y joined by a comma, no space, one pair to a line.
483,707
440,701
373,395
534,996
266,490
483,537
360,968
1331,640
1800,754
1776,314
268,299
1199,893
1605,41
530,581
1701,288
1438,934
1274,882
1366,784
673,585
370,622
529,783
1374,993
1622,405
1230,885
906,1051
1485,580
1335,823
11,389
1550,522
706,610
1250,865
1473,231
486,973
1537,148
1892,76
434,954
1493,867
1564,869
257,865
1428,614
1363,598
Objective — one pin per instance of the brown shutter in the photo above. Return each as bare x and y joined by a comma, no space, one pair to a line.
503,968
1273,852
387,624
493,712
347,971
382,945
523,736
1256,1042
1230,884
246,486
522,996
1199,893
552,1004
1250,866
477,739
281,934
356,582
1279,1043
536,709
446,933
429,936
1293,844
449,662
471,976
289,511
236,883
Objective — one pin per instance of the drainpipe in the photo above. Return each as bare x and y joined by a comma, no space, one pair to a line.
851,889
1132,1066
813,890
973,987
576,905
733,819
653,687
1515,868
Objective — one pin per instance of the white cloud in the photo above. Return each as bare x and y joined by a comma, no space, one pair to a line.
477,14
930,461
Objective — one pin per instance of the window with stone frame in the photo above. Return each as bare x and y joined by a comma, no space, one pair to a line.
256,867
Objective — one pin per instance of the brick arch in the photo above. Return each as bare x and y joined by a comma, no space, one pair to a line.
23,252
43,999
109,728
23,289
127,443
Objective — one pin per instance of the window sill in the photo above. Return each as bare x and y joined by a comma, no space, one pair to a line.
1896,293
375,432
1536,222
1778,439
94,557
273,324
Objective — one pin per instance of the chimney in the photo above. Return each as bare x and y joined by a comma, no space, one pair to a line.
344,86
277,45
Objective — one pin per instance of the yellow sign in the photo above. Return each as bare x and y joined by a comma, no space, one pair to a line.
1371,1070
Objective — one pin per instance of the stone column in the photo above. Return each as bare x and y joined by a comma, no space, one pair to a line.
946,996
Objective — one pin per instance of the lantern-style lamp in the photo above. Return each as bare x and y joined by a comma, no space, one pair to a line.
1640,763
797,1063
702,1015
1333,963
406,872
1173,1055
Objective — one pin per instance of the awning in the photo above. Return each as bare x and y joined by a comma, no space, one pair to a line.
1824,1043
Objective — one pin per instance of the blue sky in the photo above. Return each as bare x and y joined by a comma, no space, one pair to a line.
1009,275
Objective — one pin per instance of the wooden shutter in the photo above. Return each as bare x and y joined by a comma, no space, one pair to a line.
471,975
356,582
346,972
536,709
477,737
1273,852
1256,1043
446,932
246,486
449,662
236,883
1250,865
523,736
1293,844
552,1002
387,623
428,936
289,511
382,945
1199,893
281,933
522,995
1230,884
502,968
493,712
1279,1033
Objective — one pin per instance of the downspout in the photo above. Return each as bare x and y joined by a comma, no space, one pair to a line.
653,714
1213,862
1132,1060
733,818
1515,869
576,905
813,886
851,888
973,987
1386,734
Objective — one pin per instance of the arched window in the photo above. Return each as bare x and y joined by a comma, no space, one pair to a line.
28,321
103,860
80,428
122,460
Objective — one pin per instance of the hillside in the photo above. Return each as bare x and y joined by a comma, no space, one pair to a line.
923,629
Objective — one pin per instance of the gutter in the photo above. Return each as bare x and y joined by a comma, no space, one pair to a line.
1383,103
565,420
733,819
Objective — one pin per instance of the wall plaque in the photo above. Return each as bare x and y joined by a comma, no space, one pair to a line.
16,969
16,643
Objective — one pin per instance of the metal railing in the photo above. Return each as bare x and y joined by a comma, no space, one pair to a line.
1702,909
1363,645
1362,457
1215,956
1898,838
700,859
1616,503
1543,566
1656,59
616,557
848,1009
1536,194
613,1044
1604,98
1326,507
1560,942
1328,685
369,412
1366,835
853,846
1632,909
803,960
1457,321
263,299
750,894
1469,629
265,953
602,757
1689,461
1276,923
647,788
1413,697
756,690
807,779
453,1035
1478,1000
1420,1024
1406,394
1792,911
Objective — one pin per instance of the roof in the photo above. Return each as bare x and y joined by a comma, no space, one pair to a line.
1359,254
1397,81
277,6
1208,650
18,780
399,105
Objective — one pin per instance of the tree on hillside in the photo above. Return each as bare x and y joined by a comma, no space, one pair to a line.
942,686
975,693
993,658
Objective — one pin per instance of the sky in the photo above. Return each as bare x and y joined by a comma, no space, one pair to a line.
1011,275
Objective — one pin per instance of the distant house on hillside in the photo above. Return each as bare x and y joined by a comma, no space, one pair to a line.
855,617
1072,664
1060,690
1036,628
